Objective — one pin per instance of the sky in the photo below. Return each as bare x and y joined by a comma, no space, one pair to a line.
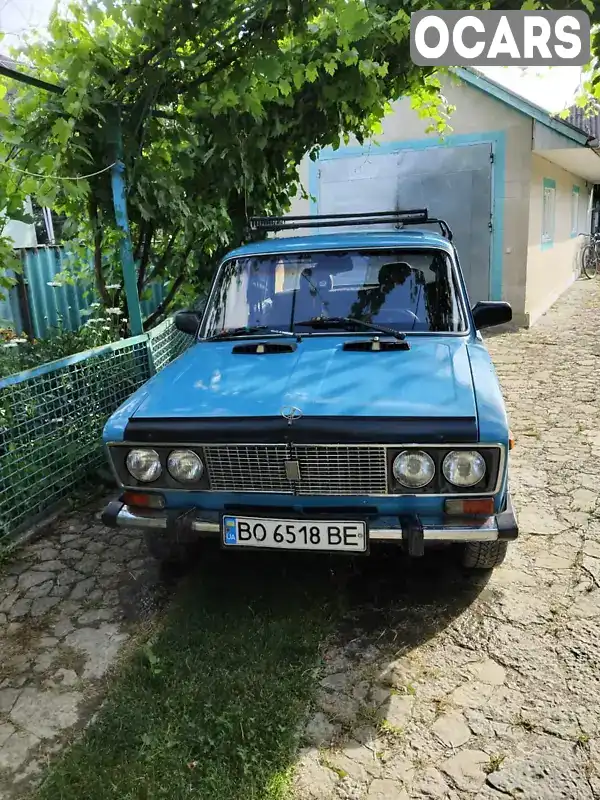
19,16
551,88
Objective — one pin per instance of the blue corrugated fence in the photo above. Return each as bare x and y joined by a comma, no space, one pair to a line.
53,306
9,308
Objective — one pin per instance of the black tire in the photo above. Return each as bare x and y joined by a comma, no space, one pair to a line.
484,555
166,551
589,261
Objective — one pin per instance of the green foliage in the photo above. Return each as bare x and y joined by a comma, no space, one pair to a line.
217,104
19,354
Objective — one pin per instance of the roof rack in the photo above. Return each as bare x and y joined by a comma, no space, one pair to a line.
413,216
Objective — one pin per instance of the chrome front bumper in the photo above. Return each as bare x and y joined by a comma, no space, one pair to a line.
386,529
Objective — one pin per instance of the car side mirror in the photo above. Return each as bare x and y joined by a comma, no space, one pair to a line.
187,322
488,313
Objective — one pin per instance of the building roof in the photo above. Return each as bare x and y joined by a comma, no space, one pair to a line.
345,240
566,128
6,61
588,122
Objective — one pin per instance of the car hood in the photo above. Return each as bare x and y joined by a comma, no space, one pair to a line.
432,379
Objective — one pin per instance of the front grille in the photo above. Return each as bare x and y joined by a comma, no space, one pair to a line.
324,469
247,468
341,470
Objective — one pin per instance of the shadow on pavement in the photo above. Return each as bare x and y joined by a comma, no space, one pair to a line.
385,595
404,602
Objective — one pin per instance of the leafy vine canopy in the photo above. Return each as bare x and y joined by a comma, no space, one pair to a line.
211,104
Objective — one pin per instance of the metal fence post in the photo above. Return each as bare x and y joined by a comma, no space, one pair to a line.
24,306
117,175
151,361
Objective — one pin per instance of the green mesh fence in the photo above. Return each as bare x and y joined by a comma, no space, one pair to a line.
166,343
51,419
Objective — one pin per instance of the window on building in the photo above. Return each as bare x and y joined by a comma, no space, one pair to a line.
548,212
575,211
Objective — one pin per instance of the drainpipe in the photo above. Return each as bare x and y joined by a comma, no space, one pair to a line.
590,210
594,145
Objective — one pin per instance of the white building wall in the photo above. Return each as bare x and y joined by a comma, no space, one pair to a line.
552,268
533,277
22,234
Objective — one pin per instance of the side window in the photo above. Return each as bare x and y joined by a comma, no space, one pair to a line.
548,212
574,211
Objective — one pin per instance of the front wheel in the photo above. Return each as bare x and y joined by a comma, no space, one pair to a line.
484,555
589,261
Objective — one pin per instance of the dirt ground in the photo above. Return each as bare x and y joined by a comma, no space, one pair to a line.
439,685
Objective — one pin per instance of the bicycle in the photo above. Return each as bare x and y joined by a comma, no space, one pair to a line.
590,256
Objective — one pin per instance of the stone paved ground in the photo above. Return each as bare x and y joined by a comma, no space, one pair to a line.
67,605
486,691
439,686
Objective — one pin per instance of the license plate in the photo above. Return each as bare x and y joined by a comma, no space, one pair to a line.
289,534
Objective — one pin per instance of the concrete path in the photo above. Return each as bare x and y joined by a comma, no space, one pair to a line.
462,691
67,603
439,686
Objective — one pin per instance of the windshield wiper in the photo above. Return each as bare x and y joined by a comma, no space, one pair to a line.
247,330
331,322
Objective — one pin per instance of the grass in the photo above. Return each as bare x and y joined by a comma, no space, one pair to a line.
6,554
522,722
442,705
391,730
494,764
212,705
583,740
326,762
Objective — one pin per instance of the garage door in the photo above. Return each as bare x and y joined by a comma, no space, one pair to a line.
453,183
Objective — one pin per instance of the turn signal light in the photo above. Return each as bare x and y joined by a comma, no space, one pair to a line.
479,507
143,500
511,440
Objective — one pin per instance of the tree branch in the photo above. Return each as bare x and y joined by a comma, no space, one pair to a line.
97,235
160,265
145,256
140,239
165,303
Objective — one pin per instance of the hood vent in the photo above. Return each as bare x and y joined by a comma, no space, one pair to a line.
263,348
376,345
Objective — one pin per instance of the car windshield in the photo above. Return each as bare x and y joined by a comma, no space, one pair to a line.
405,290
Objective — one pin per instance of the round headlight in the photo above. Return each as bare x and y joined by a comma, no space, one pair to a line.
464,467
144,464
185,466
413,469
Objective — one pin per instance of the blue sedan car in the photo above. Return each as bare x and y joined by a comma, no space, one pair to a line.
337,394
